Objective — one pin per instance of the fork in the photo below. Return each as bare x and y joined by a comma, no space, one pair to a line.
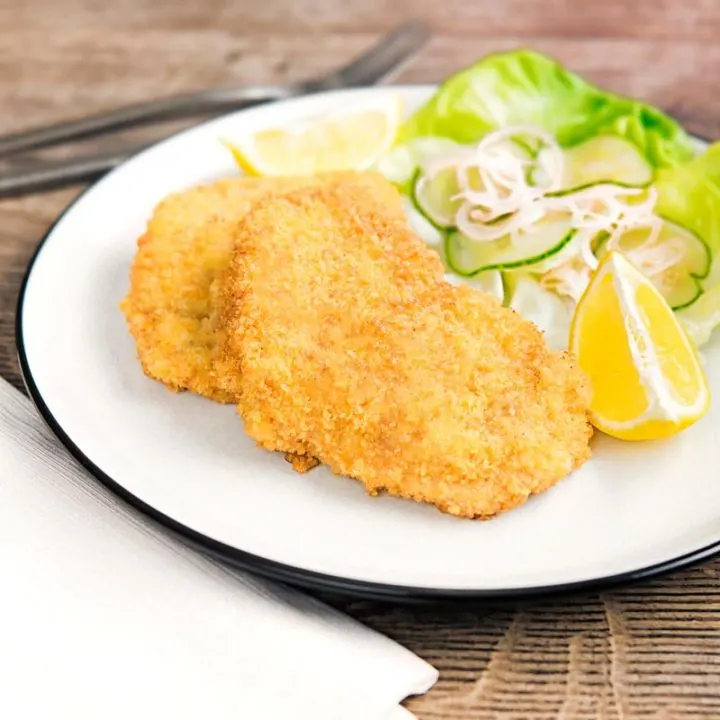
379,62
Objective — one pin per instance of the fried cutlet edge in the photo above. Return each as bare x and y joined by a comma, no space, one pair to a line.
236,317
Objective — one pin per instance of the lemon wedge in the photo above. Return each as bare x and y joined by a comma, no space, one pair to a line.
646,376
350,139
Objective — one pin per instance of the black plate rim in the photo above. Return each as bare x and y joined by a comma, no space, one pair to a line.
289,574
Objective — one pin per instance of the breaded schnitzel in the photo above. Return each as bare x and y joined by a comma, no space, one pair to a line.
172,305
170,308
354,349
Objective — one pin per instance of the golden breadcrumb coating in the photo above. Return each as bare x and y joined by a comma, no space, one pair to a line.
169,307
354,350
172,304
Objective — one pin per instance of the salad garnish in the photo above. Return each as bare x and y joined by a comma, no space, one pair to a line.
520,167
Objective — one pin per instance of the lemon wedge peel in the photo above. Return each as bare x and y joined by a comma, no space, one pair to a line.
350,138
665,413
238,156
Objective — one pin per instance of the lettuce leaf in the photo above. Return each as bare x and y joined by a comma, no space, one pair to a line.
689,195
525,87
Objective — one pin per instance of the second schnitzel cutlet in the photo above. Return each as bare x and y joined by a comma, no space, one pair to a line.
173,304
353,349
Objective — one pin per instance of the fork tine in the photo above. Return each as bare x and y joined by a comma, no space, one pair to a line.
384,58
373,65
370,67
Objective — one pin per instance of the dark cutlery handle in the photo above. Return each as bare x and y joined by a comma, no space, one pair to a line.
192,105
53,175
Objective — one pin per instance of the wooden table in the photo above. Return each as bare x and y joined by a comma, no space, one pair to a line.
651,651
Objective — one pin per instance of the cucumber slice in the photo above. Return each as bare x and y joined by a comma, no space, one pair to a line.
519,147
526,148
434,197
682,283
630,199
490,282
713,277
421,226
702,317
543,239
606,157
563,255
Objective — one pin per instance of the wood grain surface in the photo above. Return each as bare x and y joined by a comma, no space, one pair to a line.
650,651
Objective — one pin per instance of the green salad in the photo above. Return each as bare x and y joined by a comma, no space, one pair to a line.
523,175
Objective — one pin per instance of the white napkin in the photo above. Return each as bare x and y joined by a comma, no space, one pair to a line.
105,615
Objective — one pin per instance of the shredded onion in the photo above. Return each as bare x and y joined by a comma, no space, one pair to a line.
493,183
466,222
504,190
652,257
503,175
569,279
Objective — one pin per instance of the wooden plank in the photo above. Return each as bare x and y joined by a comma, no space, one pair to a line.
666,19
125,68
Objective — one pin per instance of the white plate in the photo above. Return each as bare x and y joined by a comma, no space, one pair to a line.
634,510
